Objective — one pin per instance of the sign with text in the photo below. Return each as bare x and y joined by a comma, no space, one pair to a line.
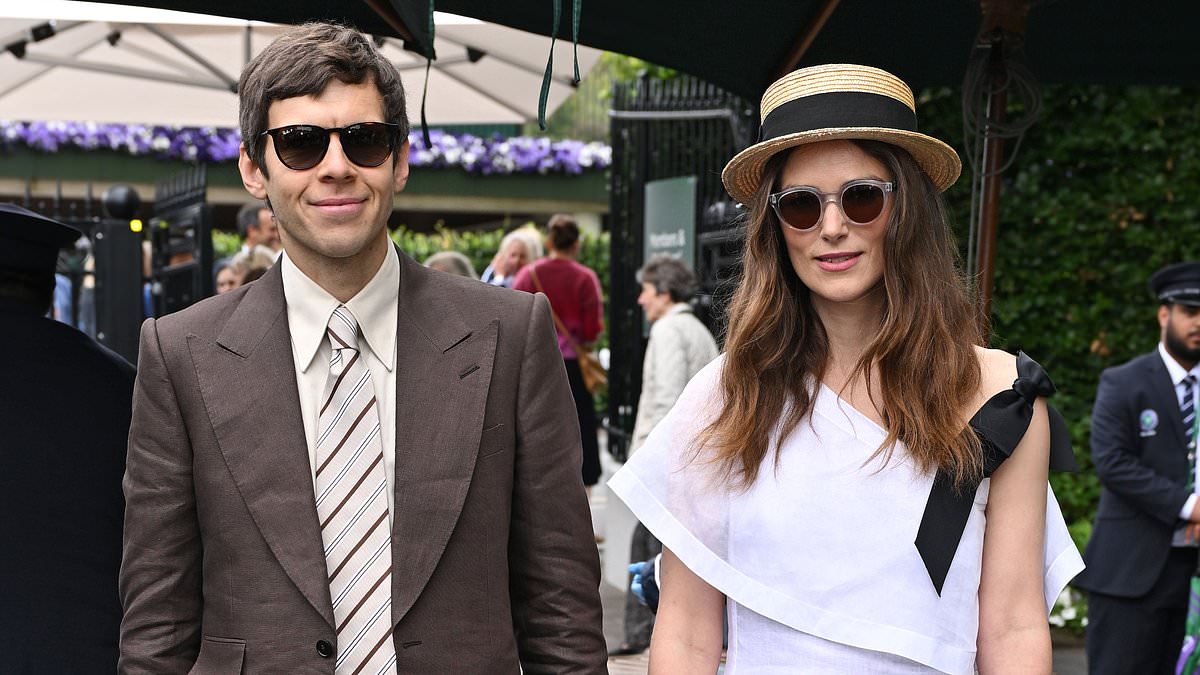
670,223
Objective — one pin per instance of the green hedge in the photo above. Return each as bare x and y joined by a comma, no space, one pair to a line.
482,245
1105,190
479,247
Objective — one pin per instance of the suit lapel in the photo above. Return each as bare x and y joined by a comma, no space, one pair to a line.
1162,392
444,367
248,382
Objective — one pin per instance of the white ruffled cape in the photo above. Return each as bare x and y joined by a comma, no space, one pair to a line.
823,546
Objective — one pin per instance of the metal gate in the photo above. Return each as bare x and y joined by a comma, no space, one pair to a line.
667,129
181,242
109,294
103,271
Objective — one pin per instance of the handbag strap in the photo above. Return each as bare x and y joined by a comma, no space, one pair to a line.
554,315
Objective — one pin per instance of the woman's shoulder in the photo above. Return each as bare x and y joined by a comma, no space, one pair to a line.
1010,388
1001,371
997,372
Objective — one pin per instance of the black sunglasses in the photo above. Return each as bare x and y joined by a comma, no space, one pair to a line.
861,202
303,146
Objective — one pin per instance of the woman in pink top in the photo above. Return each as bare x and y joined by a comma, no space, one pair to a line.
574,294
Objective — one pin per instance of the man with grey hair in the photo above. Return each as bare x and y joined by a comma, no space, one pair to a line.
451,262
355,464
257,227
678,348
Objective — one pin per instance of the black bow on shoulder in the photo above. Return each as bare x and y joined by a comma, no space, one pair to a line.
1000,423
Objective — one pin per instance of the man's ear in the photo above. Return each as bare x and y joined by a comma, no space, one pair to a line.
1164,313
252,175
401,167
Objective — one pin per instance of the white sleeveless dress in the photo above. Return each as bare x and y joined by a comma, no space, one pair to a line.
817,559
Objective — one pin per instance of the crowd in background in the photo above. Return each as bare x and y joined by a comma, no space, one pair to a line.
261,247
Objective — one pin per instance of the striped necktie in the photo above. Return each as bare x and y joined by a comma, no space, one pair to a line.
1187,406
351,495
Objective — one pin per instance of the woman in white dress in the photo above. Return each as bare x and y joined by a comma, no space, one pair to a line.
857,485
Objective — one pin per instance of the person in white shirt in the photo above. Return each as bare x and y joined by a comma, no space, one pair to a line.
856,485
679,346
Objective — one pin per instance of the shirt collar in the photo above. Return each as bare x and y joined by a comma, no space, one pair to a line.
679,308
374,307
1175,370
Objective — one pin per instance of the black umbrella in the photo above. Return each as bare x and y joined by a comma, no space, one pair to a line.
998,50
407,19
744,46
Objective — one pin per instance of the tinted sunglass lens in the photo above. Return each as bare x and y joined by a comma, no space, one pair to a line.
800,209
301,147
367,144
862,203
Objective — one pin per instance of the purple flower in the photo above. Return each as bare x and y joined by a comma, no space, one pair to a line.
473,154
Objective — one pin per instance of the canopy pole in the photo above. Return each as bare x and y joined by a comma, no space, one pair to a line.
388,13
127,71
192,54
247,47
805,39
1009,17
989,211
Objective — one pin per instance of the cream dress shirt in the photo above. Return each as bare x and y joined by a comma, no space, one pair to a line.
375,308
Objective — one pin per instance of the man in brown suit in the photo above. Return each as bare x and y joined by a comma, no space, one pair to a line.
458,441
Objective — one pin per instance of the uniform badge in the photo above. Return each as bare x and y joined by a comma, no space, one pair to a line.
1148,421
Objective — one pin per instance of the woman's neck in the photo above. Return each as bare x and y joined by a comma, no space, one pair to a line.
849,327
559,255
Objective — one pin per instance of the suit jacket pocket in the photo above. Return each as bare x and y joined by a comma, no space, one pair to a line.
219,656
495,440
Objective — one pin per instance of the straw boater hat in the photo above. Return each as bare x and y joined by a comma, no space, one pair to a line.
824,103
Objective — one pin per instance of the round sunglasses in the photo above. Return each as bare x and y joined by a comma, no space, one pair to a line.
861,202
303,146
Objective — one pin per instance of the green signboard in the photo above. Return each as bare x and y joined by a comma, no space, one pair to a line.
670,224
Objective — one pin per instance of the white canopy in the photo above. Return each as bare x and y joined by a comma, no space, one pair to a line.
81,61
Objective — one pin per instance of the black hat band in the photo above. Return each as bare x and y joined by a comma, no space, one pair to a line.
837,109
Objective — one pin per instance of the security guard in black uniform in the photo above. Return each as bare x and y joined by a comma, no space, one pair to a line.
64,425
1143,547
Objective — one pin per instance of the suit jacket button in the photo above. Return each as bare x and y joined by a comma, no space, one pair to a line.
324,649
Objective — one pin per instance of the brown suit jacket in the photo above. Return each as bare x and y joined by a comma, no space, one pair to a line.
494,565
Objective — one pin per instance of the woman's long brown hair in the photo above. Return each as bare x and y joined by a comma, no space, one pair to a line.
777,349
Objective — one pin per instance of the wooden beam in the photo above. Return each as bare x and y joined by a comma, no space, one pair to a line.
806,38
1010,16
1003,17
388,13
